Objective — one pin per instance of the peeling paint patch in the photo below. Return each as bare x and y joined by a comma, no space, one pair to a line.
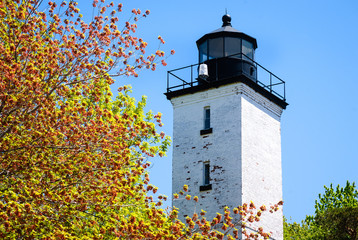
216,167
206,145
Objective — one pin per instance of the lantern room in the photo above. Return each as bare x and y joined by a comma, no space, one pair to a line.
226,56
226,52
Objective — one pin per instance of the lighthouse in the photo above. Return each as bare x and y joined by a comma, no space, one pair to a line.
226,128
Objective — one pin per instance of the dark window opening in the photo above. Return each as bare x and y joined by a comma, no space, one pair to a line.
207,118
207,129
252,71
206,171
206,174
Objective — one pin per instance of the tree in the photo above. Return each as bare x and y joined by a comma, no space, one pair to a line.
337,198
73,159
337,212
232,224
336,216
339,223
301,231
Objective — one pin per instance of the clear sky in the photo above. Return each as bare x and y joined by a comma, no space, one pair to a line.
312,45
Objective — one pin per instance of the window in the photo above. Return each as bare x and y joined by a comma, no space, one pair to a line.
203,52
206,177
248,50
232,46
206,118
207,129
216,48
206,173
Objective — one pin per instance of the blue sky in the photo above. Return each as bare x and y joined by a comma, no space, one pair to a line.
312,45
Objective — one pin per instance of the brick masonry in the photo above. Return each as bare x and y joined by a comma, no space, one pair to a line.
244,152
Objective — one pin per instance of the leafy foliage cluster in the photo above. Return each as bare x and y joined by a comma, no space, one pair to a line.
336,216
234,224
73,160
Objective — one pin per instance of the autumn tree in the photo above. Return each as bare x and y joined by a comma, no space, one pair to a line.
73,159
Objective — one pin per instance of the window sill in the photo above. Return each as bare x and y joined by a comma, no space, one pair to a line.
205,187
206,131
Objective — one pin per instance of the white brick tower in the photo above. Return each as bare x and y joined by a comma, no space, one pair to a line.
226,137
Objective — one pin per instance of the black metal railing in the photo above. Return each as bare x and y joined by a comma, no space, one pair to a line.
186,77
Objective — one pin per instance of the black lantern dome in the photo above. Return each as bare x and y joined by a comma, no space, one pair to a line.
227,52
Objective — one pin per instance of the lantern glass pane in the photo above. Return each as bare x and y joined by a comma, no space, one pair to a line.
203,52
216,48
232,46
248,50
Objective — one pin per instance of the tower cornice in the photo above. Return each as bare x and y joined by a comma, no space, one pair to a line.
215,84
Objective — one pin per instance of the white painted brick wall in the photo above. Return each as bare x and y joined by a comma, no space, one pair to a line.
244,151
